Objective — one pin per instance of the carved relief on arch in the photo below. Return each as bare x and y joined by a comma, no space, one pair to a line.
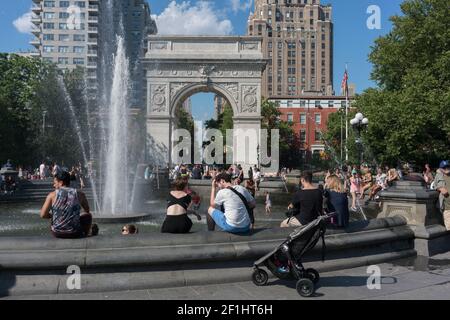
158,99
249,101
176,87
232,88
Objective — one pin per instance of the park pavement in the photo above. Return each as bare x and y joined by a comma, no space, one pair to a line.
417,278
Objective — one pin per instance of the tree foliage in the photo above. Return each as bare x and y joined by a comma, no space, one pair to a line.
409,112
28,87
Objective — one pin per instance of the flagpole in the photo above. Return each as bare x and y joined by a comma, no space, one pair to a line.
346,116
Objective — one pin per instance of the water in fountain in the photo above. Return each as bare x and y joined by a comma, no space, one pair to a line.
77,130
111,183
116,195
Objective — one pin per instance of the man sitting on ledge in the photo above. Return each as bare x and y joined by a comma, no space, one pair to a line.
65,204
234,201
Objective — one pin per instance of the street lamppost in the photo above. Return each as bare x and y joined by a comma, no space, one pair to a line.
43,121
359,123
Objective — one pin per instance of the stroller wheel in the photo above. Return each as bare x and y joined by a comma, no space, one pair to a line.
305,287
313,275
260,277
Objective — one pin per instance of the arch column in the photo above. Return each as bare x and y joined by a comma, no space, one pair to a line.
159,131
246,141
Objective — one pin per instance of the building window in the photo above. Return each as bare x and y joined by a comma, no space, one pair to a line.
79,37
63,49
302,118
289,103
317,104
302,103
48,25
317,118
64,15
49,15
343,104
290,117
64,37
317,136
80,4
49,49
302,135
64,4
330,104
63,60
49,4
78,49
78,61
48,37
63,26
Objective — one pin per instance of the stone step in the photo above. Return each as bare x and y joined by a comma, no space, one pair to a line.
23,284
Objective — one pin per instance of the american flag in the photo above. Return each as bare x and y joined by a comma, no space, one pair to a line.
344,85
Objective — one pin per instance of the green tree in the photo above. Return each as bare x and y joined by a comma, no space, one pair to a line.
19,77
223,123
184,120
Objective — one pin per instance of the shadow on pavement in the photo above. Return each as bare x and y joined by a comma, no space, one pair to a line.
337,281
7,281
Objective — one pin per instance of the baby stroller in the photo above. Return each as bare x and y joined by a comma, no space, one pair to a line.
285,260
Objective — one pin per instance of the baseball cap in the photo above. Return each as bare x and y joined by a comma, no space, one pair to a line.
444,164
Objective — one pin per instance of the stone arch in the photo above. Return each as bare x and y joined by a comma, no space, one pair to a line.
193,88
180,66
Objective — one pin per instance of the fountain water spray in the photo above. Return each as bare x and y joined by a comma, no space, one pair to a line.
115,197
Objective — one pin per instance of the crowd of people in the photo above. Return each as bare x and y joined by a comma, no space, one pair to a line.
232,199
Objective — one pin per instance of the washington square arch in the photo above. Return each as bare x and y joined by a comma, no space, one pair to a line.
179,66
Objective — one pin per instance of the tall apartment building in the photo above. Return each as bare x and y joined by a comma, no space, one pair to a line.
298,43
68,34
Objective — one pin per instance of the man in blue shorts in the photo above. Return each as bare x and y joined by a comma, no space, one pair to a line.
233,200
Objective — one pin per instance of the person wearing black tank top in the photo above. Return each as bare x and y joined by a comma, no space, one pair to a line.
178,204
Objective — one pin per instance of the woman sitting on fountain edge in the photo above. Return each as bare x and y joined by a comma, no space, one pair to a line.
63,207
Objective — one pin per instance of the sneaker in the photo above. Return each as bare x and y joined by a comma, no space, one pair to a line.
353,209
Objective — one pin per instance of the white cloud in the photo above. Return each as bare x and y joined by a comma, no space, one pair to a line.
186,19
241,5
23,24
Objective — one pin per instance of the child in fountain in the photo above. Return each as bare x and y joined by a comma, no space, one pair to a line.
129,229
268,204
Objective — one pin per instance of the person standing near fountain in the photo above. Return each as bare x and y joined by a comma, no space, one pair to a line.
63,207
42,170
442,183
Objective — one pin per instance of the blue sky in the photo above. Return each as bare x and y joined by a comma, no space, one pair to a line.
352,38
